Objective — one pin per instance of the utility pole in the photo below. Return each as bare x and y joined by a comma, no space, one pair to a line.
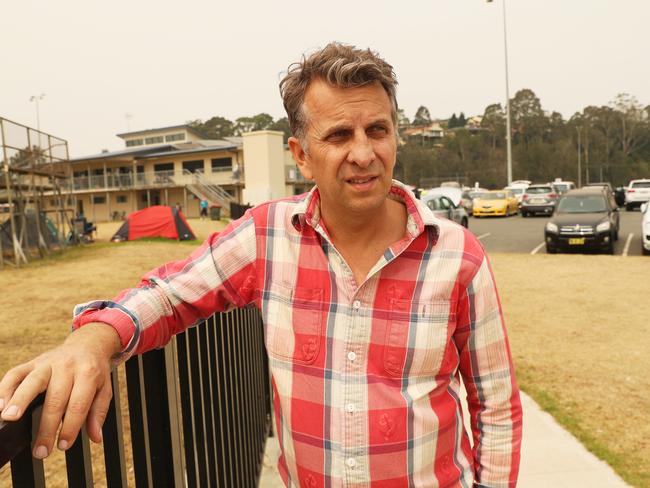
579,129
35,99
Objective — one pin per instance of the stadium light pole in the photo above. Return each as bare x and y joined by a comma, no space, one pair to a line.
35,99
508,130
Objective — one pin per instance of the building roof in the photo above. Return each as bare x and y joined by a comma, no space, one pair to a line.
194,150
160,129
131,152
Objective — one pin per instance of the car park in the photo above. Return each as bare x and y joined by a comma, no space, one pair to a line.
538,199
496,203
645,228
443,207
636,193
584,219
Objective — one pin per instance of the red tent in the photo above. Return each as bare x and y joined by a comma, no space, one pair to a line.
157,221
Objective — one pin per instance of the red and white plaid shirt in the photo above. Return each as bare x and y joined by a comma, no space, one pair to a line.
366,377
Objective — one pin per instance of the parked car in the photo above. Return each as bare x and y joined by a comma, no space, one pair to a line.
443,207
538,199
637,192
645,228
496,202
453,193
468,196
584,219
517,191
561,186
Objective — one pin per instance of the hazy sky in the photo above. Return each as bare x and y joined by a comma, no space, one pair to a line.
169,62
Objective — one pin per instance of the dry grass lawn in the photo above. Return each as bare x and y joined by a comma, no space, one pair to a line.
578,326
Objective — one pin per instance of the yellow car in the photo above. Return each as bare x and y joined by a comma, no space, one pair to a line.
496,202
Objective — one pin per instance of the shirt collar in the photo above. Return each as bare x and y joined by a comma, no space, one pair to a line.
307,211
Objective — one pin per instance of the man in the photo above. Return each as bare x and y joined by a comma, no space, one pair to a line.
373,310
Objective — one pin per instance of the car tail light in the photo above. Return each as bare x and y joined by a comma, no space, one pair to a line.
553,196
525,197
630,191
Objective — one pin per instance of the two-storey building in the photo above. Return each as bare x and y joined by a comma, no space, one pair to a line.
176,165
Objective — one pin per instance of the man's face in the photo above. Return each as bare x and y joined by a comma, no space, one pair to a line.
351,147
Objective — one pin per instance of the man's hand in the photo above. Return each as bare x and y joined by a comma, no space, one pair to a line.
76,375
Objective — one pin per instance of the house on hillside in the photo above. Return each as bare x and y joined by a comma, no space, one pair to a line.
176,165
430,133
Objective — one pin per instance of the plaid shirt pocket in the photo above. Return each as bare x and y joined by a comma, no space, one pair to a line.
417,336
293,323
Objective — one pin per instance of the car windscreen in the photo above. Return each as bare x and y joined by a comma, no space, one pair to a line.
497,195
561,187
517,191
477,194
640,184
582,204
536,190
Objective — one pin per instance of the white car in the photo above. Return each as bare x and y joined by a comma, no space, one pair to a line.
645,228
636,193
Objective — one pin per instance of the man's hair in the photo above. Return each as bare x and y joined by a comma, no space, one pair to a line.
340,65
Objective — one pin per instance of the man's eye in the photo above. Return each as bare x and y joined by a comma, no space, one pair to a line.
338,135
378,130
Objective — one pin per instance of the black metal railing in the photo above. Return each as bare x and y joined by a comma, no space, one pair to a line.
199,413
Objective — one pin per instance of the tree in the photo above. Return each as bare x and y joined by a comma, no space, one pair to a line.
453,122
422,117
260,121
282,125
402,120
214,128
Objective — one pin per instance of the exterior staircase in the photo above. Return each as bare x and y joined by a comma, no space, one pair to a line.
207,190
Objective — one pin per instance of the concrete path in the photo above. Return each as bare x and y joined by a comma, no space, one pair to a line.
550,457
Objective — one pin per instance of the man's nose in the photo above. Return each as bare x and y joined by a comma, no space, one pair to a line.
361,152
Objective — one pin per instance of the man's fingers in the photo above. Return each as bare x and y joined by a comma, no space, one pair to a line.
34,383
10,381
83,393
98,411
56,401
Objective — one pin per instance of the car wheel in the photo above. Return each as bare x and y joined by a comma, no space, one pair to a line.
644,251
464,222
629,207
524,214
551,250
616,235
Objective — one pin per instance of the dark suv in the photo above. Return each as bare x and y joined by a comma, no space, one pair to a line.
584,219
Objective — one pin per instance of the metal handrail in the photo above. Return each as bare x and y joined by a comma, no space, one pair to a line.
199,412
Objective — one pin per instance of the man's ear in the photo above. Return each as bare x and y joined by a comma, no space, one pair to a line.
300,157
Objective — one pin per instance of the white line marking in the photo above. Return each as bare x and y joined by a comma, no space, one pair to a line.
483,235
627,244
534,251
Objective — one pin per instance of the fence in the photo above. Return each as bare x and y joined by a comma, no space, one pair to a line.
199,411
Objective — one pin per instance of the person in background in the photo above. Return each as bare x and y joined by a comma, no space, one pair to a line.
204,204
375,311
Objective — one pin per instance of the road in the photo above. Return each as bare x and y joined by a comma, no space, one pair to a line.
526,235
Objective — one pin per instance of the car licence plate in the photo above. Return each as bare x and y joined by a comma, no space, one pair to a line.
537,200
577,241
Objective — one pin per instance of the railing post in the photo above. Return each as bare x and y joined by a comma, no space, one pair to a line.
112,433
78,462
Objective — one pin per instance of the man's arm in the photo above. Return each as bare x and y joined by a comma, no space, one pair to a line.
488,375
219,275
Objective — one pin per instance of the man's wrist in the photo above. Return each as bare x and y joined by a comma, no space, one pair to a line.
99,334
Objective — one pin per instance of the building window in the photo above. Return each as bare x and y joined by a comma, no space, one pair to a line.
121,198
175,137
193,166
98,200
163,167
98,172
221,164
80,174
134,142
153,140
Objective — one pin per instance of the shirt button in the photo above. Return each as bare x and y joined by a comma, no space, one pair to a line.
352,356
351,462
350,407
356,304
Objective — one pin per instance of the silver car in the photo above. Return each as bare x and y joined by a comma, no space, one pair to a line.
443,207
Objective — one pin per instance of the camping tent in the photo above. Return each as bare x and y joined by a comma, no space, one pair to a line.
157,221
48,231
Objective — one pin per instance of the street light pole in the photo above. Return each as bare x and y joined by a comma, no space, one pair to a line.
508,130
